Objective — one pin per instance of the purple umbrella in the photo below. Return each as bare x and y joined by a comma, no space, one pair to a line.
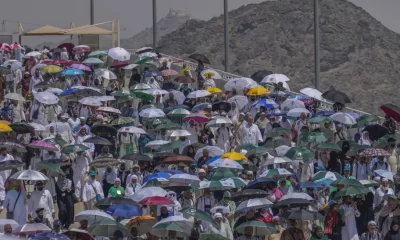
43,145
81,67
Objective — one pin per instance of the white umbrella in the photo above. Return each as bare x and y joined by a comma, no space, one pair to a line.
33,54
15,64
290,104
278,160
81,46
12,222
276,172
385,174
282,150
156,143
32,228
55,91
29,174
156,91
37,126
151,113
89,101
253,204
198,94
179,96
92,216
119,54
226,163
241,101
15,96
240,83
37,66
311,92
148,192
147,55
185,178
140,86
275,78
223,184
218,121
59,127
134,130
214,74
296,112
344,118
178,220
143,49
212,152
130,66
180,133
46,98
296,195
104,98
105,73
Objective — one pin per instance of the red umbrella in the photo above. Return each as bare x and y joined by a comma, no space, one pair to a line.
59,61
392,110
178,159
15,46
156,201
119,64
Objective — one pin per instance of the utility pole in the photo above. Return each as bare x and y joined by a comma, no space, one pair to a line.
3,25
226,35
316,44
155,23
91,12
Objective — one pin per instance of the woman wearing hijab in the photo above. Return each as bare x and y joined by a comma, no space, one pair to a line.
333,222
109,178
334,163
65,190
393,233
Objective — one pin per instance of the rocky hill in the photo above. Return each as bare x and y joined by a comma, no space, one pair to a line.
359,55
174,20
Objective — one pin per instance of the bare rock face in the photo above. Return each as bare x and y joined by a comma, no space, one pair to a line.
174,20
359,55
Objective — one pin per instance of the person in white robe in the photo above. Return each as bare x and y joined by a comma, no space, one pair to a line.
174,209
234,112
126,142
132,187
192,128
15,202
74,120
81,167
41,198
364,139
349,231
64,54
224,135
250,133
153,83
82,136
35,79
19,113
300,123
380,192
85,111
90,190
37,113
221,227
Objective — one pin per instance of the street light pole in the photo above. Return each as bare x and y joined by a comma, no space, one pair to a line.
226,35
316,43
154,23
91,12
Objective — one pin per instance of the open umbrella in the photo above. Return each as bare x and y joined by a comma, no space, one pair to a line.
240,101
200,57
299,153
92,216
257,91
327,147
142,223
275,78
97,140
161,230
151,113
107,227
29,174
10,164
149,192
185,178
46,98
92,61
89,101
14,96
226,163
22,127
107,202
327,174
180,112
290,104
197,214
217,185
30,228
134,130
119,54
51,168
335,96
276,172
43,146
73,148
105,73
124,211
364,119
311,92
13,145
103,130
209,73
138,157
296,112
198,94
104,162
352,191
51,69
371,152
391,110
344,118
255,203
259,228
376,131
260,75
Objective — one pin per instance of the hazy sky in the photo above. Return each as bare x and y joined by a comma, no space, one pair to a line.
136,15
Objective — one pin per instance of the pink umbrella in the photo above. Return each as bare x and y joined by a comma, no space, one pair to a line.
169,72
81,67
43,145
197,117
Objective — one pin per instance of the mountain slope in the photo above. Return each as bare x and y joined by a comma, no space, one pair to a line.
174,20
358,54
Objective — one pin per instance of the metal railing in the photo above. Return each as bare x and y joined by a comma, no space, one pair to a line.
325,105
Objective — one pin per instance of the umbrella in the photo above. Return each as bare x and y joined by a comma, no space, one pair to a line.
108,109
200,107
290,104
217,185
319,119
142,223
315,136
336,96
234,156
180,112
72,71
51,69
107,227
266,103
180,133
198,94
123,121
22,127
237,181
51,168
214,90
79,232
155,144
143,60
151,113
169,72
11,222
104,162
248,194
364,119
225,106
376,131
103,130
391,110
119,54
310,184
278,160
15,96
372,152
257,91
156,201
259,228
218,121
197,117
240,84
119,64
327,174
124,211
384,174
73,148
161,230
256,184
327,147
185,178
97,140
134,130
105,73
299,153
156,91
29,174
200,57
89,101
275,78
46,98
369,183
240,101
222,173
276,132
303,215
212,151
178,96
352,191
296,112
344,118
311,92
253,204
80,67
178,159
347,182
49,236
43,146
96,54
197,214
92,216
82,91
260,75
130,66
31,228
107,202
226,163
10,164
138,157
209,73
149,192
276,172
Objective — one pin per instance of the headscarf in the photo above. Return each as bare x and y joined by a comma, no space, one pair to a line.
187,68
391,231
364,140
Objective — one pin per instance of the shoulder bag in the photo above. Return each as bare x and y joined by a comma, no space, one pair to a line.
10,214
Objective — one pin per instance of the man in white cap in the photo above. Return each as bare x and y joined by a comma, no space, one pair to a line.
372,232
276,221
250,133
221,228
380,192
132,187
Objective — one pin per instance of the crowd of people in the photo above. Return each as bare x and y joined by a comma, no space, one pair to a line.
169,155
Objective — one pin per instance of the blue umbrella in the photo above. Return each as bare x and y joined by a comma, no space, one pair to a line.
325,113
267,103
157,175
69,91
299,97
49,236
256,183
152,74
311,185
213,159
276,113
325,181
176,172
200,106
124,211
72,72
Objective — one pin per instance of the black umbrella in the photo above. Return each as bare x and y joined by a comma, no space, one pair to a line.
22,128
292,202
301,214
103,130
221,106
106,202
58,161
376,131
28,49
175,187
10,164
98,140
138,157
336,96
200,57
260,75
248,194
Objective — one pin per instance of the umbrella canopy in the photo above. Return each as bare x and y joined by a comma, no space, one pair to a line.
157,200
266,103
105,73
142,223
352,191
103,130
257,91
296,112
259,228
276,172
371,152
327,174
391,110
119,54
248,194
12,145
311,92
185,178
22,128
198,94
151,113
240,84
275,78
124,211
299,153
29,174
344,118
260,75
89,101
92,216
224,184
226,163
200,57
278,160
51,69
198,214
107,202
376,131
97,140
43,146
290,104
327,147
336,96
253,204
347,182
107,227
240,101
138,157
46,98
30,228
51,168
209,73
149,192
96,54
74,148
10,164
15,96
364,119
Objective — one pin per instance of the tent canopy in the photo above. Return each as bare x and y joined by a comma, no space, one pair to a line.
51,30
46,30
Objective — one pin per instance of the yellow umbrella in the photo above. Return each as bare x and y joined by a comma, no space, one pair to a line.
52,69
258,91
234,156
4,122
5,128
214,90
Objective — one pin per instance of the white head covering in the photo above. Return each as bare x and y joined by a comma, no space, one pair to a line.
217,215
364,140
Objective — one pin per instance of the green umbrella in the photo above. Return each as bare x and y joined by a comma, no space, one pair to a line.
147,106
319,119
369,183
92,61
144,95
326,174
327,147
347,182
248,165
55,141
383,142
123,121
248,146
169,126
350,142
212,236
299,153
276,142
155,182
239,182
97,54
4,70
157,121
143,60
170,146
180,112
51,168
221,173
122,99
162,230
123,93
21,127
259,228
106,227
315,137
197,213
74,148
276,132
355,149
364,119
352,191
140,86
